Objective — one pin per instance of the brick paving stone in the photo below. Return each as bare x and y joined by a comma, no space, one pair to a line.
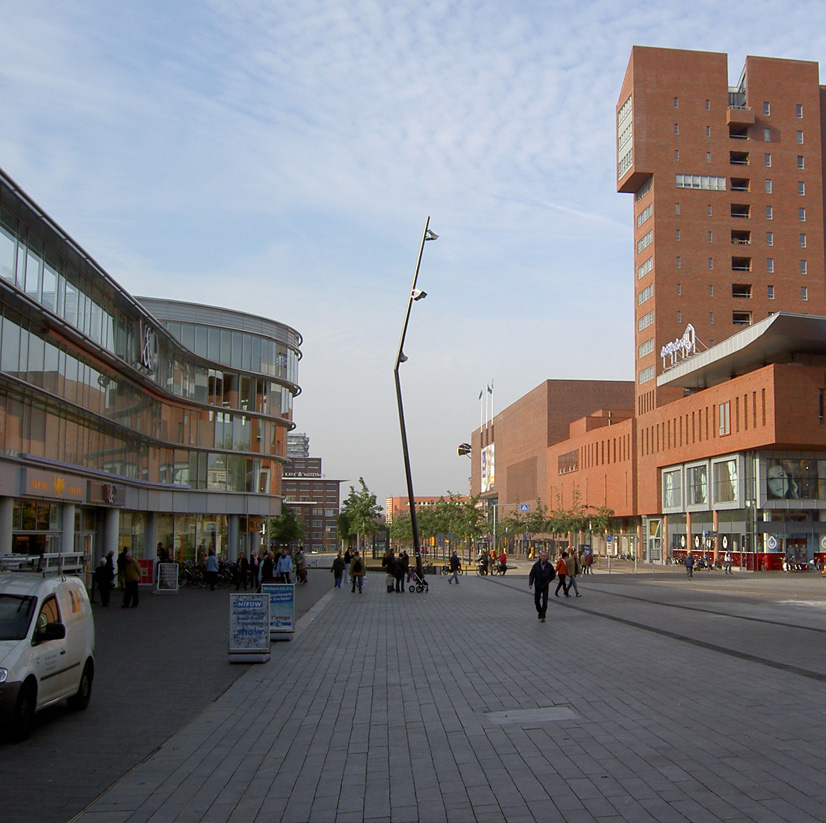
337,742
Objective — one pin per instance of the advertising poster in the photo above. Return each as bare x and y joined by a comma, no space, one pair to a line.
167,578
249,627
282,609
147,571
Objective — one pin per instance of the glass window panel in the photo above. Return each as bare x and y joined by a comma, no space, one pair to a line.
49,295
725,481
697,478
201,340
32,282
672,490
188,335
8,245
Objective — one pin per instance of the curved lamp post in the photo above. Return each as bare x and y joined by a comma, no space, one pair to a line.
415,294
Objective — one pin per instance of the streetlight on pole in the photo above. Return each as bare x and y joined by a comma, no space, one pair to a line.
415,294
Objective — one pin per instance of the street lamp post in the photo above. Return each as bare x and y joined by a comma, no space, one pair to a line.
415,294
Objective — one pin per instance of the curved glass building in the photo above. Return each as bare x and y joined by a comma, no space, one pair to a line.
130,421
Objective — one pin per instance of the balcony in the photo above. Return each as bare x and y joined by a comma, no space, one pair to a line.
741,291
740,210
738,132
741,318
741,263
738,158
740,238
740,184
739,116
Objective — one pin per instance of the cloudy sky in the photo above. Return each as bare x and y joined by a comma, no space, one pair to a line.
281,156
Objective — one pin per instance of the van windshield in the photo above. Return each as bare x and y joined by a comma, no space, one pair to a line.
15,615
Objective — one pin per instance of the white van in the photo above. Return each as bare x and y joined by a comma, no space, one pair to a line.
47,644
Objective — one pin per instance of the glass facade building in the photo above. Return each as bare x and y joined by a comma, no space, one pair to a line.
126,421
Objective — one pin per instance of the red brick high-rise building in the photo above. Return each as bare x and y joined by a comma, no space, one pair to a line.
728,198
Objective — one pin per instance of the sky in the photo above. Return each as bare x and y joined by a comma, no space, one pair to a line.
281,158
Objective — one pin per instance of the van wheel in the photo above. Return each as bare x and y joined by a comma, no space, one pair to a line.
80,699
22,721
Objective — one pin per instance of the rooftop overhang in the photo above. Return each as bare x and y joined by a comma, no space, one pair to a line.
778,338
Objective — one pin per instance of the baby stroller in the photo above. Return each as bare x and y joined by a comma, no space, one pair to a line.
417,584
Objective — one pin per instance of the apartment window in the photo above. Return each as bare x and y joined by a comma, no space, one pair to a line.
801,214
709,211
676,154
679,262
646,348
676,208
645,321
645,187
646,267
798,110
804,292
679,289
679,317
647,374
700,181
711,318
724,418
767,135
677,234
708,131
676,102
770,265
800,135
801,188
676,128
800,162
644,215
646,294
741,318
767,109
708,105
767,160
770,292
804,267
645,241
802,241
708,157
710,263
769,238
711,291
768,186
769,213
710,236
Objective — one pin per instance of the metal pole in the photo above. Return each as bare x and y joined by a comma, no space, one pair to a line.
399,359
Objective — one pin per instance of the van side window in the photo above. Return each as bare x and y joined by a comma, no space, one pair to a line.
49,613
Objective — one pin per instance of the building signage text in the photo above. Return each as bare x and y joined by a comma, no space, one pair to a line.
679,349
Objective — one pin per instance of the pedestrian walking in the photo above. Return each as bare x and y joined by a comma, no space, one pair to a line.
252,570
589,559
689,564
121,566
284,567
455,565
541,574
574,568
348,559
338,570
727,559
266,569
212,569
388,563
300,561
241,572
131,578
103,579
357,571
404,557
561,573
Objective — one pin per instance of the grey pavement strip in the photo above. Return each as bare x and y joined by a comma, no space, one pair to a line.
524,716
380,710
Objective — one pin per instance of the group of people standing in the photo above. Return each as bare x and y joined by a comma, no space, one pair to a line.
265,567
128,576
350,564
568,566
397,569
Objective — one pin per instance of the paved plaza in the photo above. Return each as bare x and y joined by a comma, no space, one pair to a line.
651,698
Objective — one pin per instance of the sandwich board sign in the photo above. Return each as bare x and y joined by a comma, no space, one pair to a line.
249,627
282,609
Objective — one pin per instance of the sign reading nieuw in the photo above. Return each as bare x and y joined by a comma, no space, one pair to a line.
50,484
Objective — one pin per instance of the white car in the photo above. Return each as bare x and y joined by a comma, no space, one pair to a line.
47,644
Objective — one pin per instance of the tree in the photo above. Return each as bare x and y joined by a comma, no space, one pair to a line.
286,528
360,514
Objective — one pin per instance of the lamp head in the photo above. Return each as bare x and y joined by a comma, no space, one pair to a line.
430,235
418,294
402,357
